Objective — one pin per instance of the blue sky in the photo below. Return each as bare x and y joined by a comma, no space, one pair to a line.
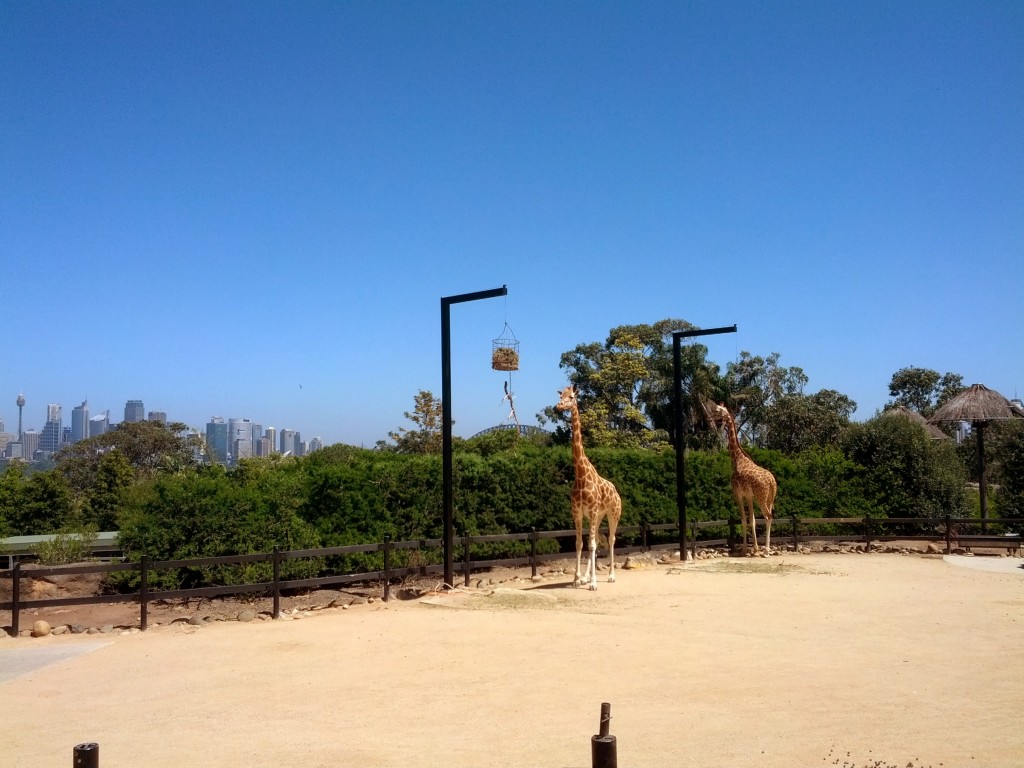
253,209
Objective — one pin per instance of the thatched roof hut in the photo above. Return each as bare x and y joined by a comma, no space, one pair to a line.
901,410
977,403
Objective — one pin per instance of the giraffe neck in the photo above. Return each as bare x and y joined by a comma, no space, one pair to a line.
736,452
579,458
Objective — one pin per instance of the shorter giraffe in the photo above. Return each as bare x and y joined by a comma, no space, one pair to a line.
750,482
593,497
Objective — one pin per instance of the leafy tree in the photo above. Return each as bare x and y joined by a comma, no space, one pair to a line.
42,502
625,386
907,474
796,423
428,418
12,489
755,385
104,497
148,447
922,389
1010,497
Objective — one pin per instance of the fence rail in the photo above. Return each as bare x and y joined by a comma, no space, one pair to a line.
866,530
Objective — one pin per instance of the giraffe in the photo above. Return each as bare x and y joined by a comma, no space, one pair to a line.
593,497
750,482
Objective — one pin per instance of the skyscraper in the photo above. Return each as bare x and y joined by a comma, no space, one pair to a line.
80,422
160,416
287,437
271,434
134,411
49,440
217,439
240,438
98,425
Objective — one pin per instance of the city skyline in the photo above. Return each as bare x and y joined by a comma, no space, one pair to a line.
58,430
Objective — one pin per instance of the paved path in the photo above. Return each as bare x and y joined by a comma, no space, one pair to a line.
20,660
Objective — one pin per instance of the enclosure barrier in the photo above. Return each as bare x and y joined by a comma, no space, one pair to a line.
651,537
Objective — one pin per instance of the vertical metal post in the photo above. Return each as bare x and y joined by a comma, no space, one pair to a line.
144,593
949,534
86,755
533,553
15,598
465,560
602,746
796,533
277,584
446,418
677,406
387,568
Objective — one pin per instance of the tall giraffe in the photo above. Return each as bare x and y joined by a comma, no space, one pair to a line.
750,482
593,497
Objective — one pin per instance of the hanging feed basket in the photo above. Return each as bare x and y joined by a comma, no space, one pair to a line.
505,352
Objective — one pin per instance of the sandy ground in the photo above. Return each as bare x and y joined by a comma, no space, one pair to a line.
813,660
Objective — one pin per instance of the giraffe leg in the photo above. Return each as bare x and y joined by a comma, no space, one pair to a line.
612,525
592,565
753,527
768,533
743,528
579,551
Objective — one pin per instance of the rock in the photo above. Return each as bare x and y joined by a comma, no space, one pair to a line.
77,629
106,629
196,621
933,549
92,631
62,629
638,562
247,615
40,629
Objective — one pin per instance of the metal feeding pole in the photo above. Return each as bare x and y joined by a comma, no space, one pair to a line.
677,397
446,418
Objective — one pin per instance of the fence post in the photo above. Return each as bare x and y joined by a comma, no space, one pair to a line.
144,592
15,597
387,568
693,539
644,528
533,552
86,755
602,746
796,533
277,584
732,535
465,559
949,534
867,533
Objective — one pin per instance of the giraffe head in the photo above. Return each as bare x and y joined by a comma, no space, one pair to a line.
567,399
718,414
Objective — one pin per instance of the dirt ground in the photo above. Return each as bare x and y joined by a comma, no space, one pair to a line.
858,661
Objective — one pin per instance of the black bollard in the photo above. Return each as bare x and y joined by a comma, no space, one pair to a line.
602,746
87,755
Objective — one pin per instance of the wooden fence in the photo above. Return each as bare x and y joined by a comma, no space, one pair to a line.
952,532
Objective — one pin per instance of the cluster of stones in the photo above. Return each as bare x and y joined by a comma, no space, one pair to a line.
42,628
